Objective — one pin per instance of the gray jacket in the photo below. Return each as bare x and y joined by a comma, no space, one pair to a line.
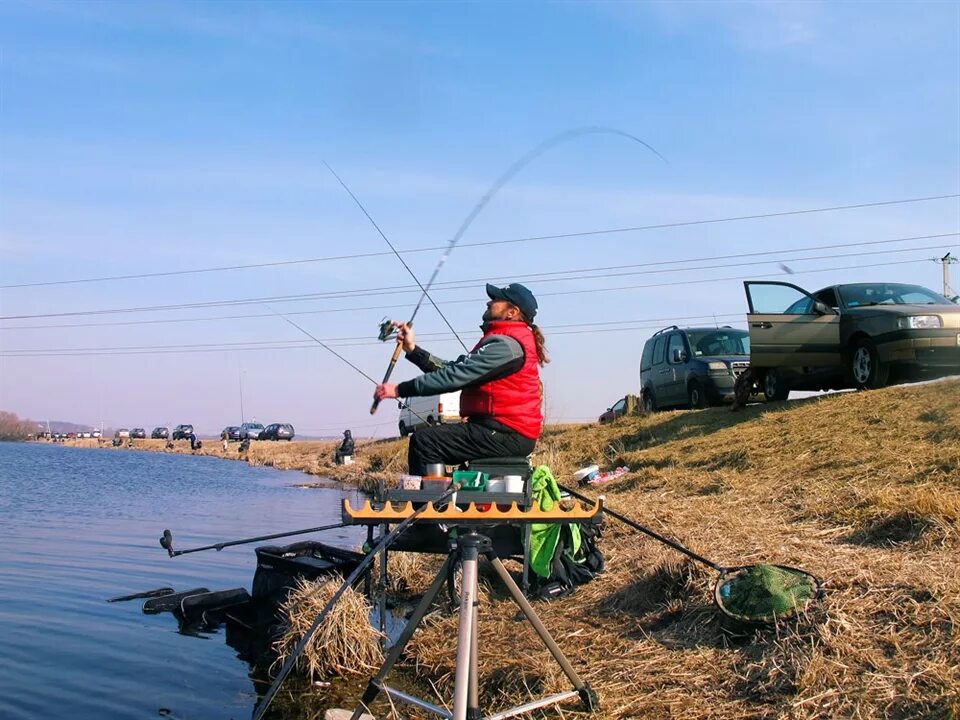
495,357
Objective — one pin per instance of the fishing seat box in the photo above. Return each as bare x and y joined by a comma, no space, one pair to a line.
509,541
279,568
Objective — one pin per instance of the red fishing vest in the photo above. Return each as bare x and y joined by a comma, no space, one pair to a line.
513,400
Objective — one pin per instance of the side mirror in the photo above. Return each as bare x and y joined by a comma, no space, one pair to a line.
679,355
821,308
399,405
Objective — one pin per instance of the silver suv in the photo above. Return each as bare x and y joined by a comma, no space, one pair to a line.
692,367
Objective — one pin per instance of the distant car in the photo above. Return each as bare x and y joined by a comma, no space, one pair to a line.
278,431
182,432
86,434
96,434
122,433
848,336
618,410
159,433
231,432
692,367
251,431
138,433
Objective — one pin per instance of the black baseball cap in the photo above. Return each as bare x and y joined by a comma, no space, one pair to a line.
518,295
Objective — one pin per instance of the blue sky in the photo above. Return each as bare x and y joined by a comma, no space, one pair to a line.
162,137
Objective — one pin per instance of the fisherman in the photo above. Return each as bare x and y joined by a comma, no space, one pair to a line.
345,449
500,382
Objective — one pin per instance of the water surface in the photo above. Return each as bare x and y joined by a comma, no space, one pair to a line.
79,525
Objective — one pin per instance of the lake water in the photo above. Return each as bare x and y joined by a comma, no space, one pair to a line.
78,526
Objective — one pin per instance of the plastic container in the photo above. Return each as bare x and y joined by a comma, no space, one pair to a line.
435,483
471,480
496,484
410,482
513,483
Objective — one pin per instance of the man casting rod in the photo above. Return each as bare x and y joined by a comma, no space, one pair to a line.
511,171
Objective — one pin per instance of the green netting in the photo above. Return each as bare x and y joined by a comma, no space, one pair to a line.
765,592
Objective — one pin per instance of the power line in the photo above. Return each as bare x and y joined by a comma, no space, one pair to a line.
302,344
462,284
532,238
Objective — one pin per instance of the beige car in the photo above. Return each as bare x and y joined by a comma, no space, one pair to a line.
848,336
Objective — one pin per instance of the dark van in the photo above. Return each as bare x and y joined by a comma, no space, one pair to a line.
692,367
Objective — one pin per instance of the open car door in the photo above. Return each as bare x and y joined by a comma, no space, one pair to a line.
789,327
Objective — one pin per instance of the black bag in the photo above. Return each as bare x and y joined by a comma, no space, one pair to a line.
568,570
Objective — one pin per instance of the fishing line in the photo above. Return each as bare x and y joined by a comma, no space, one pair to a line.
399,257
511,171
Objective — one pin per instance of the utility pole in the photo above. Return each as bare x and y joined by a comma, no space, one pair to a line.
947,260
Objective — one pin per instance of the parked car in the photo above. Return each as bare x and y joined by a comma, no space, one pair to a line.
277,431
138,433
430,410
122,433
160,433
230,432
86,434
692,367
251,430
182,432
618,410
96,433
848,336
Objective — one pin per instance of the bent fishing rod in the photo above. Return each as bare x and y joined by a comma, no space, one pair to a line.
386,328
498,184
166,542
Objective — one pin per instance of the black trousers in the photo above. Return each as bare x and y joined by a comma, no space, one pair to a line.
453,444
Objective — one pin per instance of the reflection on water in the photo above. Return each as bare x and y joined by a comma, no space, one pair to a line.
79,526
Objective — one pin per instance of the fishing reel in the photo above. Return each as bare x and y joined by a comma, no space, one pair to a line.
387,330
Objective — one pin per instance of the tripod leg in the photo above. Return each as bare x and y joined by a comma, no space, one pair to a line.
586,694
466,634
373,687
473,690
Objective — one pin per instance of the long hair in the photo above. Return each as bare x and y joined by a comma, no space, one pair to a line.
539,340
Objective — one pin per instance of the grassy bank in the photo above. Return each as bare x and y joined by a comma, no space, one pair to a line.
861,489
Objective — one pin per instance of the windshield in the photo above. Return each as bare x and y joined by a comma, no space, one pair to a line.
888,294
254,426
722,341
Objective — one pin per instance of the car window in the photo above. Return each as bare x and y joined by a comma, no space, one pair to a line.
647,355
620,405
658,347
675,344
778,299
828,297
722,341
888,294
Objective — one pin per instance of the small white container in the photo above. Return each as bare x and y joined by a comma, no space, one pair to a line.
497,484
347,459
410,482
513,483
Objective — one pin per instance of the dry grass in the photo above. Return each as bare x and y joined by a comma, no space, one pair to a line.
344,644
861,489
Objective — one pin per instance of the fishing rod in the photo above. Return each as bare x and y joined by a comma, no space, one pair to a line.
511,171
166,542
386,327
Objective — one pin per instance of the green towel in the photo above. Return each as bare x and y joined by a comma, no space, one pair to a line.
544,536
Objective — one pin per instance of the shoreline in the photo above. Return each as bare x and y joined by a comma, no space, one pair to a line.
311,457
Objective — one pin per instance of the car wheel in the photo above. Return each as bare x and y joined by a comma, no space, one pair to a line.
649,404
866,370
774,388
696,395
403,429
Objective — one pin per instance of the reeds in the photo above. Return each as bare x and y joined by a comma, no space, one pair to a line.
344,644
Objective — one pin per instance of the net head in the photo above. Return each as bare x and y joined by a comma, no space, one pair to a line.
761,594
